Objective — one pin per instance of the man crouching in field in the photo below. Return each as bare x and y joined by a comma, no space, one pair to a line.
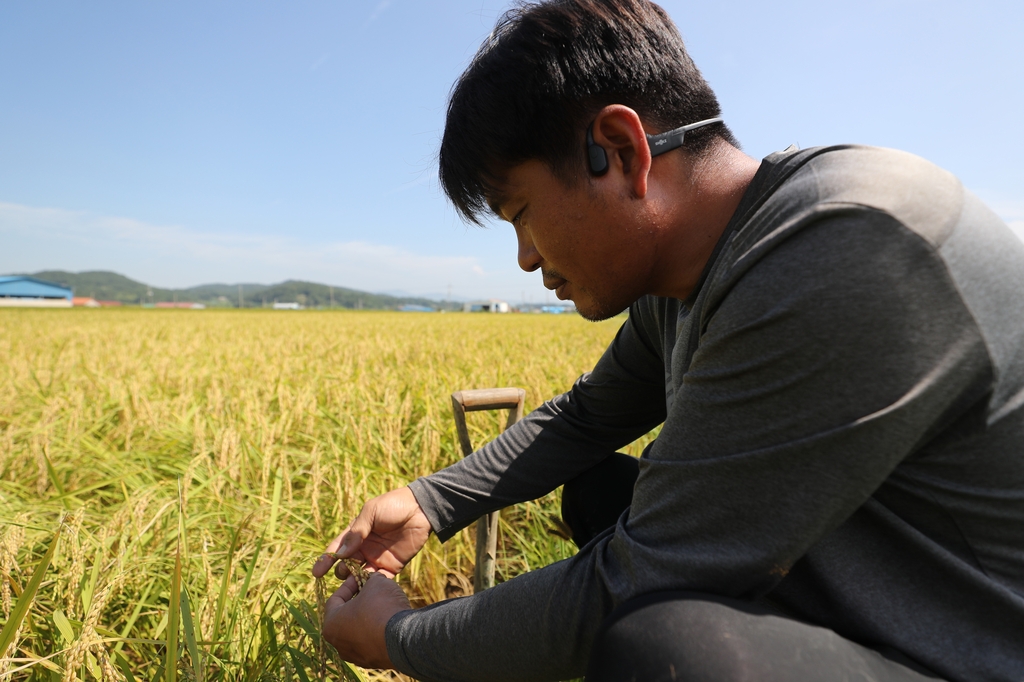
833,339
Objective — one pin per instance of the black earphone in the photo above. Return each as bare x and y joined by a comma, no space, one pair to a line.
660,143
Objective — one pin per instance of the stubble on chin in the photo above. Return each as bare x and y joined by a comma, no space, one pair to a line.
593,308
598,311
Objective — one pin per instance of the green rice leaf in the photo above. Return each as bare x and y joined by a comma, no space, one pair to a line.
245,585
190,636
64,626
173,614
225,582
275,504
126,669
300,664
351,672
52,473
312,630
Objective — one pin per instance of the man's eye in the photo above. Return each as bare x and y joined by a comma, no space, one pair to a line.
517,216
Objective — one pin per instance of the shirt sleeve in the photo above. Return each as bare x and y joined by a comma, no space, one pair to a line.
821,368
620,400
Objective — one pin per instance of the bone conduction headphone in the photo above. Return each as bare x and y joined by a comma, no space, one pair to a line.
659,144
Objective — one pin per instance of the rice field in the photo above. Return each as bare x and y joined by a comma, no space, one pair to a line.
167,477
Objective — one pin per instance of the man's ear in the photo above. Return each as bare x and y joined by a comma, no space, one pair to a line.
617,130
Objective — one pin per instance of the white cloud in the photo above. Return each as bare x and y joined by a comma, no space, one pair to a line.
319,62
423,179
173,256
378,10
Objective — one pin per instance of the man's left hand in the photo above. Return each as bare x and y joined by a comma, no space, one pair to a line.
355,627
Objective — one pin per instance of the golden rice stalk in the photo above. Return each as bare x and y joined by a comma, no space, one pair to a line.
11,542
74,556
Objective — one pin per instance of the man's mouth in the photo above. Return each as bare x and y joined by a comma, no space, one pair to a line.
560,287
554,281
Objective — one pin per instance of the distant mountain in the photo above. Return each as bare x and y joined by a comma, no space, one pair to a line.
313,295
229,291
110,286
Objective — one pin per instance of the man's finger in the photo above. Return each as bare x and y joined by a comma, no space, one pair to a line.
341,571
324,563
345,591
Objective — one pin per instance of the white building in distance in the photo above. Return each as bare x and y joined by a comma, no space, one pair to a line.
492,305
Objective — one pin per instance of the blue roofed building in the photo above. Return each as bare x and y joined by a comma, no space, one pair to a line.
19,291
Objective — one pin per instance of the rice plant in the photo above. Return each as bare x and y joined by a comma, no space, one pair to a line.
167,477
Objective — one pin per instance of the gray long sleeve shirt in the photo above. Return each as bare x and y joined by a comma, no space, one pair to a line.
843,408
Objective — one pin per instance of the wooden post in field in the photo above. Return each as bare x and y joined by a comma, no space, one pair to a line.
510,399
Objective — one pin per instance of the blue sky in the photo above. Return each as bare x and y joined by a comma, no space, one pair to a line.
192,142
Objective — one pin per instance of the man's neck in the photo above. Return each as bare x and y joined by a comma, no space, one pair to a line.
701,196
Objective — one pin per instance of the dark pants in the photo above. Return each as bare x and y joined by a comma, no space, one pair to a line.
694,637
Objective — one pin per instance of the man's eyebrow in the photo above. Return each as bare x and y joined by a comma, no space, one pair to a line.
495,201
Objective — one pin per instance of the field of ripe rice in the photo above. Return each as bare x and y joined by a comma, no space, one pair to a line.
167,477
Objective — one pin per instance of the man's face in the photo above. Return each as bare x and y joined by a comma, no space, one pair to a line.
591,248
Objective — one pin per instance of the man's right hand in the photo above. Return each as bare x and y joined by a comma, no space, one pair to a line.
386,534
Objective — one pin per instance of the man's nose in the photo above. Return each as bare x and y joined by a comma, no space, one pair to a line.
529,259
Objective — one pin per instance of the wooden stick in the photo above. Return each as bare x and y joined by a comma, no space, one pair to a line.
487,526
490,399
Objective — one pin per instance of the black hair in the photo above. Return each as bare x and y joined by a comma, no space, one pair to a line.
543,74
